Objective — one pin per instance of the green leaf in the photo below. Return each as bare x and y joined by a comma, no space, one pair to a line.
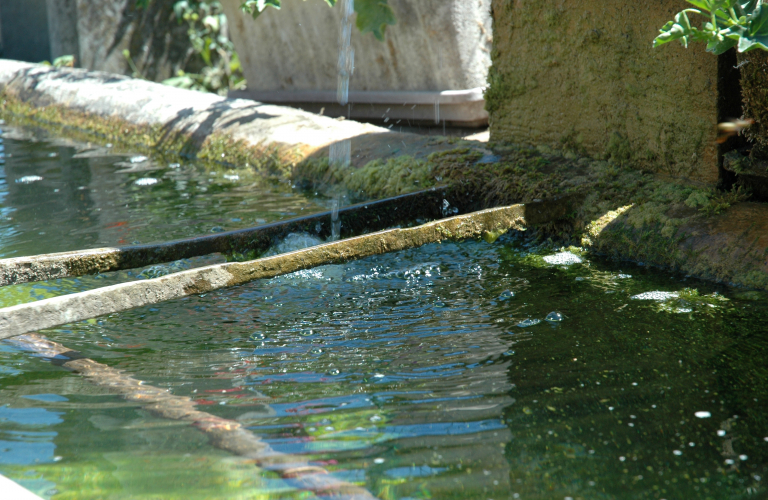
758,22
717,47
256,7
373,16
142,4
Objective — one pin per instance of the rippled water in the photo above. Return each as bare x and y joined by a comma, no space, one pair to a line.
437,372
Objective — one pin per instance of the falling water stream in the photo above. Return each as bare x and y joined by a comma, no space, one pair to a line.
341,152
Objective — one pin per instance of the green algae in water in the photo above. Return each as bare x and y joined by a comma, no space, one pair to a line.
406,373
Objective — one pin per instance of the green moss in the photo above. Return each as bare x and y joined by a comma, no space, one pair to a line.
380,178
214,149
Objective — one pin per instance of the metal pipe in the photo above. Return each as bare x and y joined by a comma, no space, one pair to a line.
355,219
225,434
34,316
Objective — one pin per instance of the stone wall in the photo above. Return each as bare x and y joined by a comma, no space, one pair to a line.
582,74
97,32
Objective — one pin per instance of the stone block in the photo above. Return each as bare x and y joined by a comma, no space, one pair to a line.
582,74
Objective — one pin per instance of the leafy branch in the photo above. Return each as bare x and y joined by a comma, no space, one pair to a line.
730,23
373,16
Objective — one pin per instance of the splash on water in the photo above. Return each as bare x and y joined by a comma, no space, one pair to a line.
293,242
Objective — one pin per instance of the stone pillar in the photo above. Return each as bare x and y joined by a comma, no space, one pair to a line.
583,74
62,28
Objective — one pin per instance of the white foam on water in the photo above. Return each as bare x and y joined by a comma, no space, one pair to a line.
28,179
655,295
146,181
563,259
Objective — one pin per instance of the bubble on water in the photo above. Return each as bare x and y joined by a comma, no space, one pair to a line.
506,295
28,179
333,371
316,350
174,165
306,333
554,317
53,155
743,457
721,433
691,444
439,303
257,336
217,229
623,276
146,181
677,452
528,322
563,259
232,177
655,295
702,414
621,459
138,159
329,428
378,460
509,353
375,418
729,461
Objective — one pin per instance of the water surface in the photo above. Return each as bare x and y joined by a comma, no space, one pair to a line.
431,373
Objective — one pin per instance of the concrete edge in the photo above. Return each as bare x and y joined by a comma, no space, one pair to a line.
177,112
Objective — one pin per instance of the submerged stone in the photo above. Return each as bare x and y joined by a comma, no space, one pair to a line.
563,259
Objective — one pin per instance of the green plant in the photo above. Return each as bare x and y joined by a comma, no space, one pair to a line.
210,43
732,23
373,16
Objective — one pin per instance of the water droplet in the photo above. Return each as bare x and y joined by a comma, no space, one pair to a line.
554,317
375,418
691,444
28,179
174,165
677,452
721,433
728,461
506,295
528,322
146,181
378,460
330,428
333,371
702,414
138,159
621,459
53,155
743,457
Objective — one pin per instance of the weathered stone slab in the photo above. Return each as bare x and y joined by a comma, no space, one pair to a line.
583,74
